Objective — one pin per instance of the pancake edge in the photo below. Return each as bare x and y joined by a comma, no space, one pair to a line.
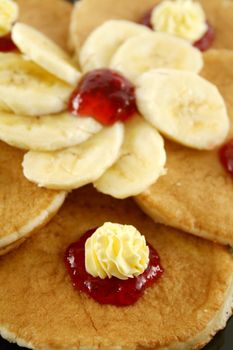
36,223
147,207
195,343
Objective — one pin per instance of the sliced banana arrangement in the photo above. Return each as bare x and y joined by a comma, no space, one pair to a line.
27,89
184,107
66,151
47,133
141,162
144,52
75,166
44,52
104,41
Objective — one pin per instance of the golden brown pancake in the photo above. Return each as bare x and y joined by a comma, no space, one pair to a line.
49,19
24,206
196,195
41,309
88,14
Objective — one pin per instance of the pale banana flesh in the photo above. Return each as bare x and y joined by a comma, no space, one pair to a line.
67,152
46,133
147,51
141,163
75,166
9,12
27,89
184,107
44,52
103,42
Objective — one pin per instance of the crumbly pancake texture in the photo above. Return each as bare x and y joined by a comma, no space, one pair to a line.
196,195
25,207
40,308
88,14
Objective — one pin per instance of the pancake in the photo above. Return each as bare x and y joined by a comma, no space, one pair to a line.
49,21
196,195
219,13
24,206
40,308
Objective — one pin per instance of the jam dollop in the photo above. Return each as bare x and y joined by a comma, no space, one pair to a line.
110,290
226,156
207,40
105,95
7,44
203,44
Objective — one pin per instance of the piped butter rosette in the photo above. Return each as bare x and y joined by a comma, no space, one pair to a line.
183,18
116,250
123,159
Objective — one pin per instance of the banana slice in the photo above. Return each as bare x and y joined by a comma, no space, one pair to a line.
75,166
47,133
141,162
27,89
184,107
155,50
102,43
44,52
8,14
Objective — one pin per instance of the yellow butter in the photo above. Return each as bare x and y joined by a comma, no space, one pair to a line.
8,15
183,18
116,250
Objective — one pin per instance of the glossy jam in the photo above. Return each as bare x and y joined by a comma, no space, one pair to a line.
207,40
110,290
6,44
104,95
226,156
202,44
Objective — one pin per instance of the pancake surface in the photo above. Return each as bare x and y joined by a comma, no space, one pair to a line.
196,195
25,207
40,308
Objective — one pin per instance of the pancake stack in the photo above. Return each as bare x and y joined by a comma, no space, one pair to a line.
39,308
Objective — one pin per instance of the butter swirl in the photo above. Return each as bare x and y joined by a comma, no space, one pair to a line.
116,250
8,15
183,18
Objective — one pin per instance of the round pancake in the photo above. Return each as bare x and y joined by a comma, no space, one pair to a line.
218,12
196,195
40,308
24,206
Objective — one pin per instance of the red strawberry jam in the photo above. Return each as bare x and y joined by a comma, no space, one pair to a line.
202,44
226,156
207,40
110,290
105,95
6,44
